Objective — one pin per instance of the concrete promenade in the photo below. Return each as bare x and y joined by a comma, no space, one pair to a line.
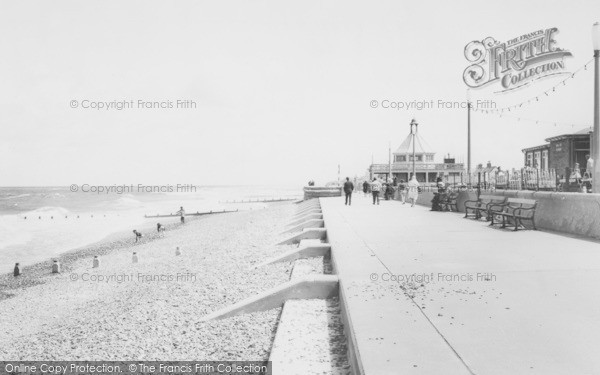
468,299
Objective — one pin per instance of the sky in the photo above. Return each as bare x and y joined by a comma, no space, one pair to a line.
283,89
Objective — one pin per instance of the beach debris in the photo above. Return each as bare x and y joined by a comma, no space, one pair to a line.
177,251
134,258
17,270
55,266
96,262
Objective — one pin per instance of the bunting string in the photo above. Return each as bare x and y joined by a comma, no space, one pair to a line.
535,99
544,122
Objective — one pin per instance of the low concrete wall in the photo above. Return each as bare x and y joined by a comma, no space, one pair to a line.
321,192
572,213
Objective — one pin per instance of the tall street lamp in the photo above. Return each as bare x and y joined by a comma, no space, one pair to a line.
414,123
596,148
469,136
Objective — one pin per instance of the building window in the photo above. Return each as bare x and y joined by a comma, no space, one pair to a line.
545,160
429,157
537,162
417,158
529,159
400,158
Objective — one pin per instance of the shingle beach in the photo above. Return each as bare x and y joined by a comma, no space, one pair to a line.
150,310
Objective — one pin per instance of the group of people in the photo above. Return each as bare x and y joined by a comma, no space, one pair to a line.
409,191
159,227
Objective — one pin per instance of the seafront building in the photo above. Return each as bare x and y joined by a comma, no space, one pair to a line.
427,170
560,152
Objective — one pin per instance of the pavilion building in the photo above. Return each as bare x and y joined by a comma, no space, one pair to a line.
427,170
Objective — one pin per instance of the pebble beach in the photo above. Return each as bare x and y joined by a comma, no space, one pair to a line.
152,309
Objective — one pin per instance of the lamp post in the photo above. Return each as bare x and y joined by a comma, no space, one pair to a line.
596,146
414,123
469,137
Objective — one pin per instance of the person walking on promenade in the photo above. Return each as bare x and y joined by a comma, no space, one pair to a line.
375,189
413,190
181,213
365,188
348,189
402,191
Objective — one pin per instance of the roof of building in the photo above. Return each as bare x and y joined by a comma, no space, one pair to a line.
421,147
578,134
535,148
582,132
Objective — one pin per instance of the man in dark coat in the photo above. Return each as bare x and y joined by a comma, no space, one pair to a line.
348,189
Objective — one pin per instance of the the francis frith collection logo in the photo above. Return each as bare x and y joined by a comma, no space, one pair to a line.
514,63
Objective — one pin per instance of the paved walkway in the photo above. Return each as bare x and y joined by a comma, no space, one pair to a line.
528,301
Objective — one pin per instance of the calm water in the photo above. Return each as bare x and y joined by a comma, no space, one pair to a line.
40,222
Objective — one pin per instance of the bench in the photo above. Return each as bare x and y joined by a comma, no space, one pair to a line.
482,205
515,210
449,203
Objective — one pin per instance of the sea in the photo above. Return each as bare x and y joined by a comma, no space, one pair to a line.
38,223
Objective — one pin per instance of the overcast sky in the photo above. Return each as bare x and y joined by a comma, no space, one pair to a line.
283,88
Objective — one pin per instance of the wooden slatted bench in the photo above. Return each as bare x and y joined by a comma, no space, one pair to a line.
514,211
482,205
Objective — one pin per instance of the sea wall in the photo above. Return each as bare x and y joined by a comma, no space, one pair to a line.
321,192
573,213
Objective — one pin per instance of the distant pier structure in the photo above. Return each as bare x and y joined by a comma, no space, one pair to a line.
426,169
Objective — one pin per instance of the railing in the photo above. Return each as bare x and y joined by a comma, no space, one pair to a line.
526,178
516,179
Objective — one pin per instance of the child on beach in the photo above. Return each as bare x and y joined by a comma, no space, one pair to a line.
160,229
181,213
138,235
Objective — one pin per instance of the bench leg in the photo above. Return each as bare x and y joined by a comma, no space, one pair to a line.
503,222
517,220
